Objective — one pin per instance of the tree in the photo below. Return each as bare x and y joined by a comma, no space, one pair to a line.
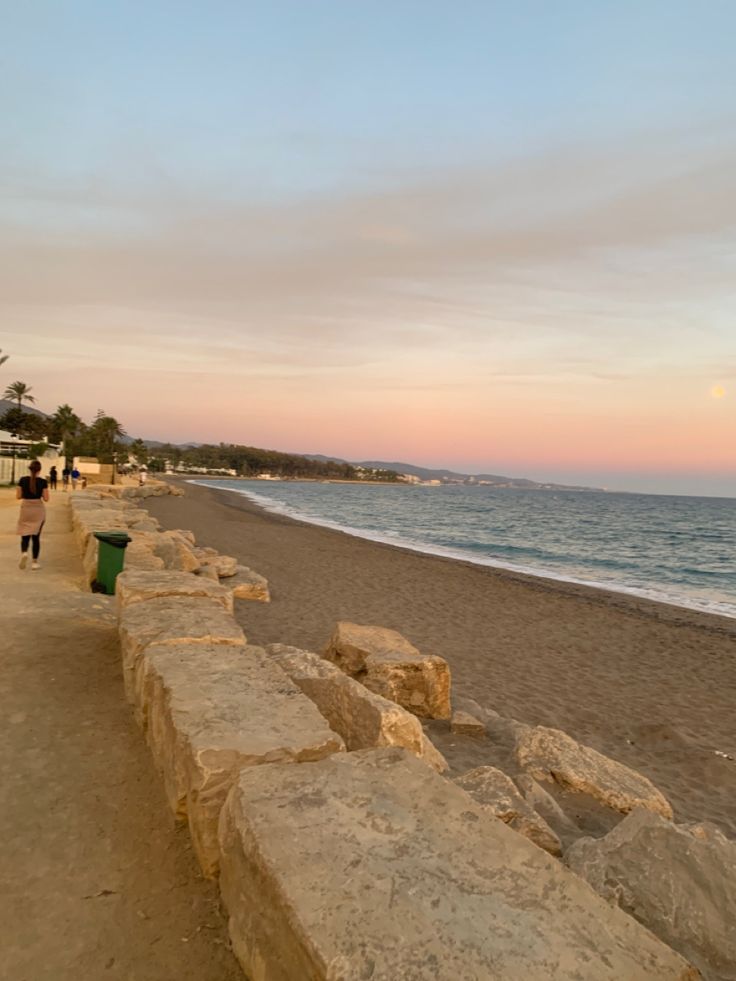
66,424
19,392
104,433
3,357
139,451
24,424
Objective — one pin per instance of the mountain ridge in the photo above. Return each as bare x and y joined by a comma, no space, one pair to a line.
452,476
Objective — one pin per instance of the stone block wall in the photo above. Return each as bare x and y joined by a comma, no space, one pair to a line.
318,801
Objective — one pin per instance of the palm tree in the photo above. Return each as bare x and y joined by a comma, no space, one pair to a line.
3,357
105,430
19,392
67,424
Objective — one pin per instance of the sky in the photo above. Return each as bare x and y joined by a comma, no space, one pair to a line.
488,236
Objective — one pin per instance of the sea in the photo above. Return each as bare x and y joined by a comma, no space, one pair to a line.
678,550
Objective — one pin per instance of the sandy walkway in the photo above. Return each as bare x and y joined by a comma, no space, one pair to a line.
649,684
96,881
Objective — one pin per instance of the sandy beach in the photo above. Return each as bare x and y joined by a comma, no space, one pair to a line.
651,685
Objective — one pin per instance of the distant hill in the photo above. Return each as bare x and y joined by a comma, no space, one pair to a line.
451,476
6,404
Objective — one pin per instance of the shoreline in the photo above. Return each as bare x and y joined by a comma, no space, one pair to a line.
648,684
538,579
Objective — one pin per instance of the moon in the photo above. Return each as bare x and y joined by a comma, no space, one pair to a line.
718,391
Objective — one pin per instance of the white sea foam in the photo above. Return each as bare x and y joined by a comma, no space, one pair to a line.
653,593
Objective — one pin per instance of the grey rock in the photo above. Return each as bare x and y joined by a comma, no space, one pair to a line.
369,865
678,881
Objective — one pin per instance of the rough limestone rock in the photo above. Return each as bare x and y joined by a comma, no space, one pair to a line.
139,557
209,572
172,620
204,551
144,524
548,754
680,882
214,711
224,565
176,552
389,665
369,865
138,587
432,756
152,488
496,792
186,534
248,585
547,807
465,724
363,719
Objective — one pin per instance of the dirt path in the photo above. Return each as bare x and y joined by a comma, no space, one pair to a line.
96,881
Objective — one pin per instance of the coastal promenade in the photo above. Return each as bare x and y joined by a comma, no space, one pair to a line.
97,882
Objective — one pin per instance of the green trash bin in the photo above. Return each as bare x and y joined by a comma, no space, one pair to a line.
111,558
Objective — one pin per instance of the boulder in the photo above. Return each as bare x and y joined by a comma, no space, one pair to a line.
224,565
139,587
432,756
248,585
678,881
144,524
152,488
370,865
171,620
204,551
139,557
387,664
548,754
547,807
209,572
363,719
465,724
176,552
215,710
497,793
186,534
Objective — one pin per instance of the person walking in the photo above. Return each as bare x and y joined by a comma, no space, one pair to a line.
65,474
75,478
53,478
32,492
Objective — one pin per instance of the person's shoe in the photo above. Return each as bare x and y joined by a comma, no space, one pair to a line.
35,565
23,562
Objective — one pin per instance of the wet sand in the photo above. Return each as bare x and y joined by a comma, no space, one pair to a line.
651,685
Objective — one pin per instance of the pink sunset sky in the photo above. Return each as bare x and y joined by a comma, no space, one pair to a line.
542,289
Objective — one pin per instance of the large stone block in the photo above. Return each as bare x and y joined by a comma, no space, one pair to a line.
363,719
370,865
224,565
138,587
172,620
495,791
389,665
549,754
248,585
176,552
680,882
215,710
